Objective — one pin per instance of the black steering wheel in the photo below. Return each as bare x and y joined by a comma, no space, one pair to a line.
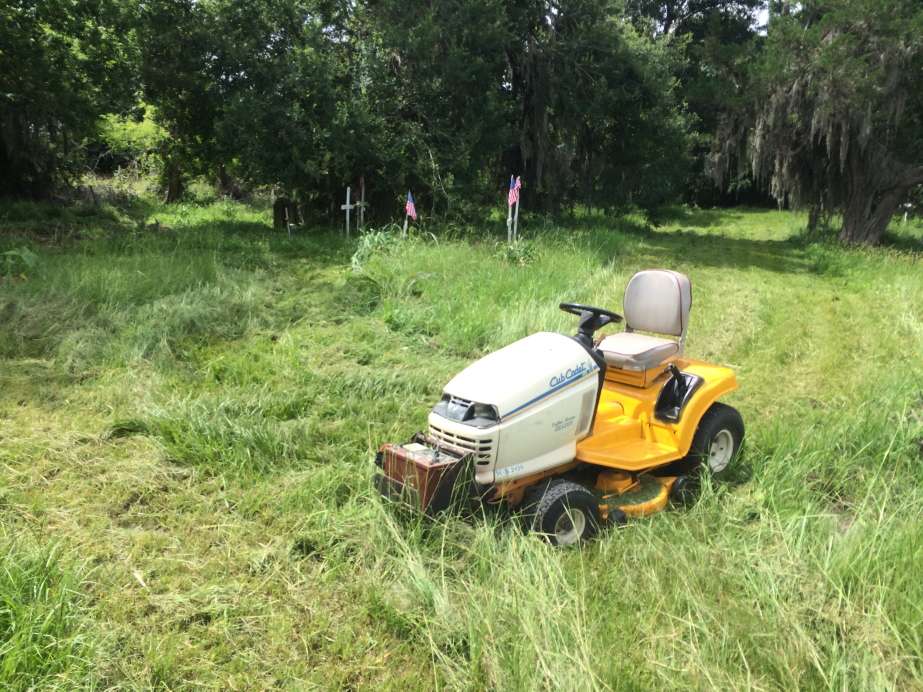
579,310
591,319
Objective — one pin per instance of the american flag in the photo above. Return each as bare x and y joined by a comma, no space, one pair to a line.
410,207
514,190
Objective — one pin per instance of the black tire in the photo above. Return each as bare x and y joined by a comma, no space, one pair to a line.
564,512
722,427
686,488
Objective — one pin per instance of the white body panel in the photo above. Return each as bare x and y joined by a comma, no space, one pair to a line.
544,387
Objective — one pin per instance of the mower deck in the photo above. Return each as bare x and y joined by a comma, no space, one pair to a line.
628,436
650,495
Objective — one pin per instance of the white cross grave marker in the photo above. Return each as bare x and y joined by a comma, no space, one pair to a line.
348,208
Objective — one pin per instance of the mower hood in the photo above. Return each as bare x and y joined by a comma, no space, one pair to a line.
524,372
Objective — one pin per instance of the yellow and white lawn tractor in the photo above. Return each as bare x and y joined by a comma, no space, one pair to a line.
578,432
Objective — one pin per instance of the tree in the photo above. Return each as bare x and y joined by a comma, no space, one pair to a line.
284,118
596,109
715,39
686,16
579,103
179,75
63,64
835,119
443,67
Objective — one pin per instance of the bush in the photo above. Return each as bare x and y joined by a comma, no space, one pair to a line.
374,242
18,261
519,253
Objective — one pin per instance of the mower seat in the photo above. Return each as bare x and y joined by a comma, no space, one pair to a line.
633,351
658,301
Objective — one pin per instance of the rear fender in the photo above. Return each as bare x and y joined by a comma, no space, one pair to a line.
716,382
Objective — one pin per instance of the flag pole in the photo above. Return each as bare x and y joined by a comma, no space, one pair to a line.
509,218
516,221
406,215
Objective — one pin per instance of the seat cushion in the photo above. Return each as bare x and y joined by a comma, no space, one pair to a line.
634,351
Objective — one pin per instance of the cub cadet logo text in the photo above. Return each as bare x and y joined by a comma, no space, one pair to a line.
568,375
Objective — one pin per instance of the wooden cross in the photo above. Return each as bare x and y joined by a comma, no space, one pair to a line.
361,203
348,208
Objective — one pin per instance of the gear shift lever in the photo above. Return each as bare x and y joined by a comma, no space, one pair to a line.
679,381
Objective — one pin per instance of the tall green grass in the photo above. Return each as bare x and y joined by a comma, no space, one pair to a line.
193,406
800,573
44,638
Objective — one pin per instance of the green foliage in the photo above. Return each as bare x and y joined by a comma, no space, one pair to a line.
572,98
581,104
18,261
176,40
834,117
374,242
63,65
718,42
520,253
127,138
583,99
438,65
43,637
287,112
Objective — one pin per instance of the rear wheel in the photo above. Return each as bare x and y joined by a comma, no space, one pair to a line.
717,439
564,512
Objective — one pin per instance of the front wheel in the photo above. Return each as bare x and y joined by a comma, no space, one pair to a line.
564,512
718,438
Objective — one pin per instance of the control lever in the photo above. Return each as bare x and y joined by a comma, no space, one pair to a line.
679,382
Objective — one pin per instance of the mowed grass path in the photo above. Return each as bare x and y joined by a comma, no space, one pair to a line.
188,416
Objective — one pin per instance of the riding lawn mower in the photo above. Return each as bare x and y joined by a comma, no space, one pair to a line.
576,433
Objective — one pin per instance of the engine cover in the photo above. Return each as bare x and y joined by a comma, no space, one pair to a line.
545,389
526,370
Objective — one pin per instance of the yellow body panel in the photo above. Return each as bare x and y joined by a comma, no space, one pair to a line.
626,436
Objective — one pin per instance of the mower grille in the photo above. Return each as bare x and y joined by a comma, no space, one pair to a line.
482,449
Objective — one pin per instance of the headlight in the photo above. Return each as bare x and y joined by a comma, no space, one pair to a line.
482,416
467,412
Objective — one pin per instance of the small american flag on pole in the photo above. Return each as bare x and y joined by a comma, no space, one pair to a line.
410,207
513,197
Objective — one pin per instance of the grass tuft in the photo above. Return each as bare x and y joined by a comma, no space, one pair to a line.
44,638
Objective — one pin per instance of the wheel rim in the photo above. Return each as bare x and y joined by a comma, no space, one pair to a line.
720,451
569,527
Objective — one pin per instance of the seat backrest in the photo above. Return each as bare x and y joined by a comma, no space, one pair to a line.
658,300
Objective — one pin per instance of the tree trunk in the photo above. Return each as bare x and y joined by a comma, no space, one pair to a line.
813,218
867,215
173,182
226,185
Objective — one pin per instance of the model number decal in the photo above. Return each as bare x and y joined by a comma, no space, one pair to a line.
563,424
509,470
